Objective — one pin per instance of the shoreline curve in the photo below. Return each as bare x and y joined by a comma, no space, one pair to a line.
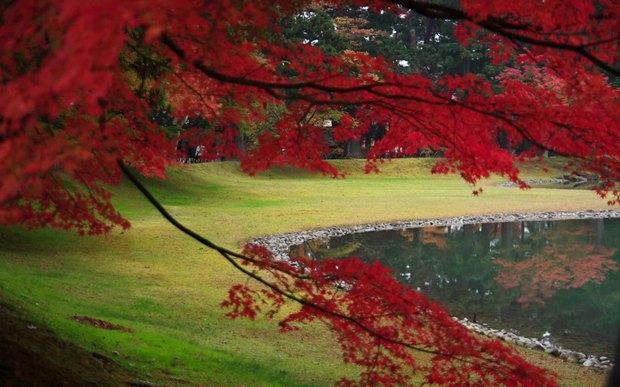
279,245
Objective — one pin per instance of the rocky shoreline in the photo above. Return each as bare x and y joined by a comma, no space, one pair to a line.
602,363
280,244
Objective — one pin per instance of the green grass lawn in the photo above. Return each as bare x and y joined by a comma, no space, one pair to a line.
167,288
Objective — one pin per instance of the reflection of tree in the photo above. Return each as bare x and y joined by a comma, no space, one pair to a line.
320,248
458,265
569,258
444,262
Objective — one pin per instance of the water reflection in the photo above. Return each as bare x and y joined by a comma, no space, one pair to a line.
534,277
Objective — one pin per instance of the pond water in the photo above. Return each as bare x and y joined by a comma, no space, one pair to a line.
535,277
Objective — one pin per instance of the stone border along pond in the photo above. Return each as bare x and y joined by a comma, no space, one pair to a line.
279,245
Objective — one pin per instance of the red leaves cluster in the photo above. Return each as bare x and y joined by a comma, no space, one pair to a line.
68,115
295,142
381,325
70,111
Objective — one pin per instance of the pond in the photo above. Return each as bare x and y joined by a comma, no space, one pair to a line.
560,279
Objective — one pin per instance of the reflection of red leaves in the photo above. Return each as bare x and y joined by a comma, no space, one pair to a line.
540,277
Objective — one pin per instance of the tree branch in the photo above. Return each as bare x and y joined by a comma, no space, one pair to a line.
230,256
510,30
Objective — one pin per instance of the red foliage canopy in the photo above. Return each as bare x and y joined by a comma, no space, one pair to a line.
71,109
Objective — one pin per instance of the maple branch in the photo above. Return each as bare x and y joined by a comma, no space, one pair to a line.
230,256
524,132
269,86
503,27
372,88
321,88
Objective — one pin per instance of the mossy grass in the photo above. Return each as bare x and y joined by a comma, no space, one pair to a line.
167,288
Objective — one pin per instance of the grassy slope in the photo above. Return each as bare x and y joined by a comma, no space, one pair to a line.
167,288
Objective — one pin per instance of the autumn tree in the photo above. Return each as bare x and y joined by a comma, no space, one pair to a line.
411,42
80,81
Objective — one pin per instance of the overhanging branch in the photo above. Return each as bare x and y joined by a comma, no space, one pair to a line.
231,257
511,30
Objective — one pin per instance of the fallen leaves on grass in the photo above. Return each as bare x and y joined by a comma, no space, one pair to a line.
99,323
